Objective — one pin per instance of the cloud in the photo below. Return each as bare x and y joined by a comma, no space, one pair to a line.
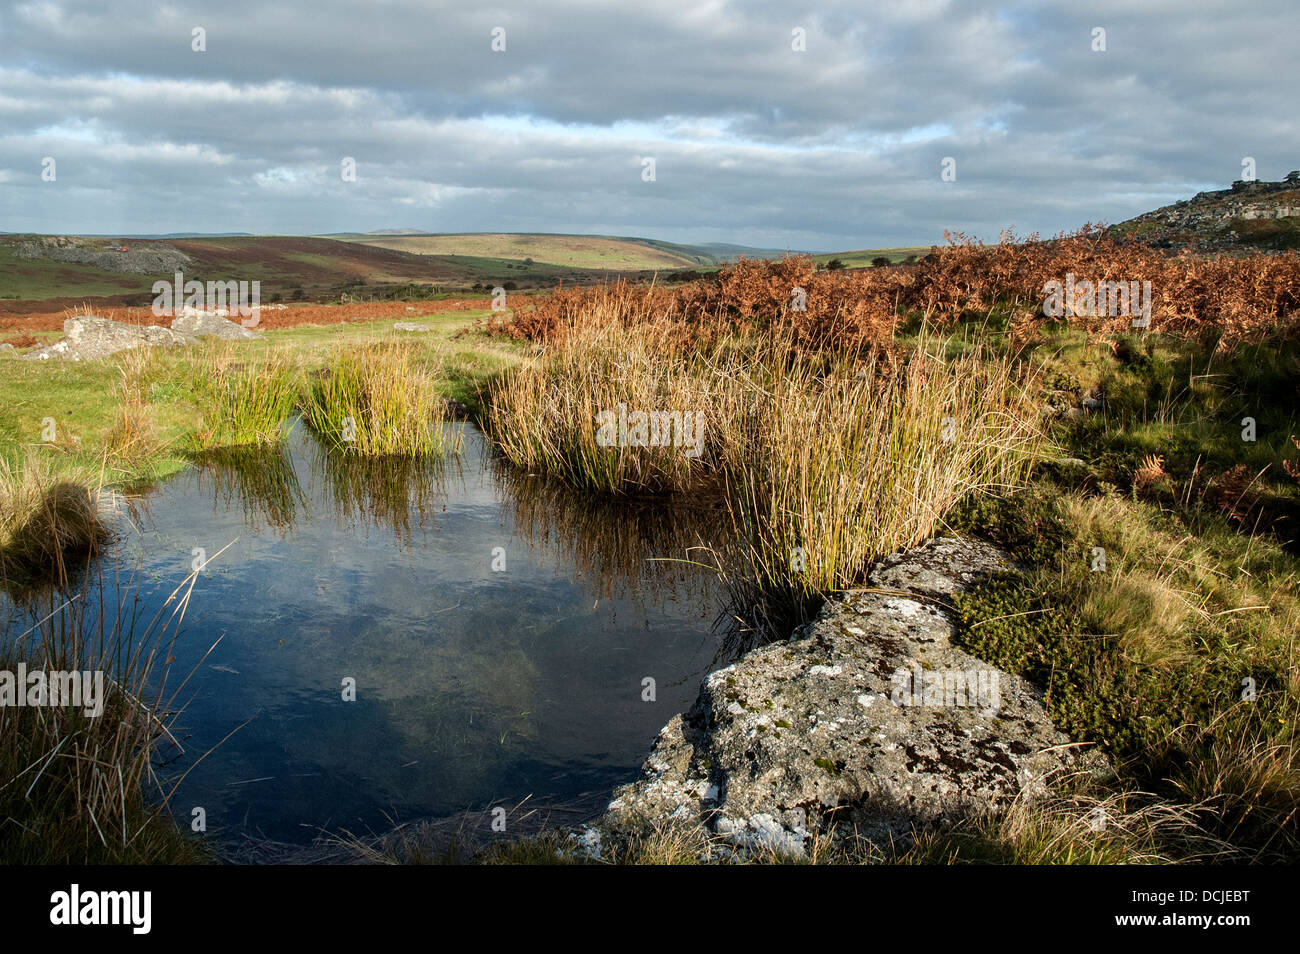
836,147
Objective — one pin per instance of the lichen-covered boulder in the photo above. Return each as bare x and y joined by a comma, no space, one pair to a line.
88,337
865,723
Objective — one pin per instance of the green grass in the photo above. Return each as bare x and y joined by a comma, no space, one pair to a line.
378,399
570,251
864,258
244,402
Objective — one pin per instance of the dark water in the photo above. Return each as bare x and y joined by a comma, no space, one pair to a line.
473,686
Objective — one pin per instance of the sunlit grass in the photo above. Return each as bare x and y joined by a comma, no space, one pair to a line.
378,400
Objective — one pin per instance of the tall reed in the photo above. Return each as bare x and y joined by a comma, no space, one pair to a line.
244,401
835,461
828,459
377,400
79,786
544,415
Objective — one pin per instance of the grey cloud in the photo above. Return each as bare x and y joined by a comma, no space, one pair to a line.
834,148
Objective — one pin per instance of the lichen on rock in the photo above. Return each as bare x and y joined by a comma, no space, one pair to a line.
865,724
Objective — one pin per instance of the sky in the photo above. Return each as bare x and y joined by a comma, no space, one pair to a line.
813,126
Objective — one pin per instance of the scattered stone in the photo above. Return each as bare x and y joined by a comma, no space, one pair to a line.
867,720
202,324
89,337
410,326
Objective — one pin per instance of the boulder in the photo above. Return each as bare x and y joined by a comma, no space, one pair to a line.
88,337
410,326
202,324
865,723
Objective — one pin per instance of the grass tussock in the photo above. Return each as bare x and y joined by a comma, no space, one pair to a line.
243,400
48,519
379,400
546,415
133,440
832,464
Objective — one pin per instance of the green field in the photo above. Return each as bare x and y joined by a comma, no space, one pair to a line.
35,278
862,258
572,251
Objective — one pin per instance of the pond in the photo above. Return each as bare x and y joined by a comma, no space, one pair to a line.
499,630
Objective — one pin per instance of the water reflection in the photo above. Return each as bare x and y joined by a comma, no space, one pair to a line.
619,547
474,685
261,479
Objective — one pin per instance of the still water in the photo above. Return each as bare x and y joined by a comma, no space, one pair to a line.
474,685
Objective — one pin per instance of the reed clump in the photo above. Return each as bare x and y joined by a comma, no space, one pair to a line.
833,461
379,400
827,460
47,518
546,416
243,400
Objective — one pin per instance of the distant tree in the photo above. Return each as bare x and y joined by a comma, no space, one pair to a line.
1292,176
298,294
528,262
881,261
834,264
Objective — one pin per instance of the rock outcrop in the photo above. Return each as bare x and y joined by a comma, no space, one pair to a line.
139,258
1211,221
88,337
864,723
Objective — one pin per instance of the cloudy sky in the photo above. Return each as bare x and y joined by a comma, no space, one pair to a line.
840,145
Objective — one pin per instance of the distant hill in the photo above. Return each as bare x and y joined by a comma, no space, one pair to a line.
724,252
40,273
44,272
613,252
1251,214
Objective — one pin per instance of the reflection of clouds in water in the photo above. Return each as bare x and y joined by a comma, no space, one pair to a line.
473,685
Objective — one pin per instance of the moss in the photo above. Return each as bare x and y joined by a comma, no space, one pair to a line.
1093,691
